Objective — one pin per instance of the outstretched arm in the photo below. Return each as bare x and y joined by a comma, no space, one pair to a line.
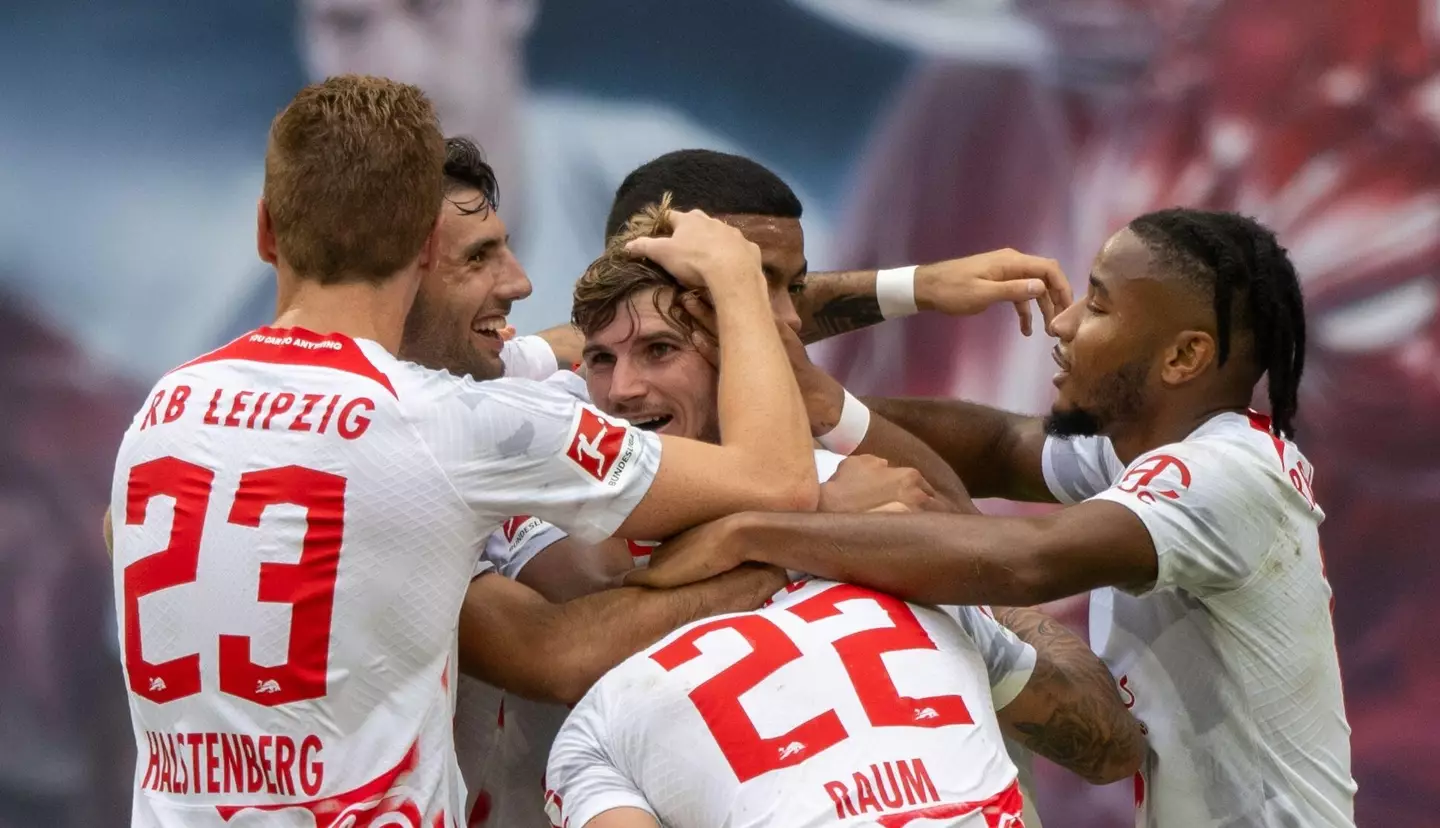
513,638
996,453
842,301
1070,711
927,558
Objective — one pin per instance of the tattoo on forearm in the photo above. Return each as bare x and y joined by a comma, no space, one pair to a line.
1087,725
841,315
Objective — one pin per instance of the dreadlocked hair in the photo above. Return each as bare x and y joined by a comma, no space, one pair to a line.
1254,285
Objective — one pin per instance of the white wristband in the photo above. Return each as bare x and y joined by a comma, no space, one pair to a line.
895,292
849,432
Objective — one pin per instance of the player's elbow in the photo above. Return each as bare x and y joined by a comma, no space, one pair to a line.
1122,757
787,491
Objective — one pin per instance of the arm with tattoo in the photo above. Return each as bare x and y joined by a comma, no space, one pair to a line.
836,303
1070,711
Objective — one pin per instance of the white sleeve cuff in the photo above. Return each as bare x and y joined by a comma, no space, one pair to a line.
594,806
529,357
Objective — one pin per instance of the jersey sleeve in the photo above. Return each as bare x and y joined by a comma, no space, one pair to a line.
1008,660
483,564
1077,468
519,447
519,540
1212,511
581,780
528,357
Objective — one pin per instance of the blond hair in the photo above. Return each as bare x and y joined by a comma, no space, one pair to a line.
618,275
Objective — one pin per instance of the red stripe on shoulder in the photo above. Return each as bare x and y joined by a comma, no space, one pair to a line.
297,346
1260,422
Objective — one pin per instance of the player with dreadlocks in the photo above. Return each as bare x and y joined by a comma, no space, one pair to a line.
1191,515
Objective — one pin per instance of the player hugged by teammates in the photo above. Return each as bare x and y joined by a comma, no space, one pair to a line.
297,515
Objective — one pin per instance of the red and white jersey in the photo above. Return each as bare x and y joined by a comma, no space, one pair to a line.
503,740
834,705
297,518
1229,658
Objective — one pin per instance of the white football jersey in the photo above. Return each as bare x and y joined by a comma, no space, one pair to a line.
1229,658
834,705
297,518
502,740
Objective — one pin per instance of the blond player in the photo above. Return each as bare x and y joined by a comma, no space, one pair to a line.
297,515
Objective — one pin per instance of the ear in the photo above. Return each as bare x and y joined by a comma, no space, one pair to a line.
265,235
1189,356
429,251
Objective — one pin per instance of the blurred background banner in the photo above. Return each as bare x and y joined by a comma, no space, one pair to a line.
133,132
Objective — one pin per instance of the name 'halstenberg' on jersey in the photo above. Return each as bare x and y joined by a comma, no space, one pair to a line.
297,518
1229,658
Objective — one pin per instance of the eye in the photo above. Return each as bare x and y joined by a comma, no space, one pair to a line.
1094,308
660,350
595,361
797,287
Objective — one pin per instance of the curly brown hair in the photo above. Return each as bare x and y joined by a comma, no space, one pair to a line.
618,275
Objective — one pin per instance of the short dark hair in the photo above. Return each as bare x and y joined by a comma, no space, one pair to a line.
466,169
353,178
1254,286
698,179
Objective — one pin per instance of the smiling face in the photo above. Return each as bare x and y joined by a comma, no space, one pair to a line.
464,298
644,368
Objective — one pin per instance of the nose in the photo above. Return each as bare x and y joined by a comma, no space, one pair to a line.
627,381
783,307
514,284
1065,322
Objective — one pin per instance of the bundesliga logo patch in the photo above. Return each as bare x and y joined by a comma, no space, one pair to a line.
599,447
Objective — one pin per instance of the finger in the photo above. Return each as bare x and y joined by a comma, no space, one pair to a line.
700,310
892,506
648,247
924,486
507,333
1047,312
706,346
1026,324
1059,285
643,577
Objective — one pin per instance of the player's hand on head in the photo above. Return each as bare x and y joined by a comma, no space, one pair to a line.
703,552
702,313
701,250
865,483
967,286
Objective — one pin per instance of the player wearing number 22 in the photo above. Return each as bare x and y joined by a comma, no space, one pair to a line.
298,514
881,713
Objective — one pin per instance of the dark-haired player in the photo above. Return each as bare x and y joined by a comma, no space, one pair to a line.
1193,515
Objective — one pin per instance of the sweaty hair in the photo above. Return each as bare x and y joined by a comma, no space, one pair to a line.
1254,288
353,173
617,275
466,169
697,179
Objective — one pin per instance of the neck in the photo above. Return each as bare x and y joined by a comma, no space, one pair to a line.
1163,428
358,309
